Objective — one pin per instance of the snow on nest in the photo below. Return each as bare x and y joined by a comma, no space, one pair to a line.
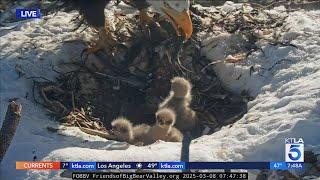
286,101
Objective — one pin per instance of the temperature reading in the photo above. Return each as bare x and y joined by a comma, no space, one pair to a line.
152,165
277,165
64,165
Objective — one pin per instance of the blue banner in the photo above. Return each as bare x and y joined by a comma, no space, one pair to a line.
27,13
172,165
82,166
176,165
278,166
227,165
116,165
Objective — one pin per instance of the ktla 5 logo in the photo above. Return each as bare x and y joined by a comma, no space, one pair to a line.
294,150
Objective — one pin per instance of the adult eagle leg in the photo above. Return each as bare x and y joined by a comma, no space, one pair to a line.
105,40
147,20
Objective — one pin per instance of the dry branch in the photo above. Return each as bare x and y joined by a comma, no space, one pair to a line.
102,134
9,127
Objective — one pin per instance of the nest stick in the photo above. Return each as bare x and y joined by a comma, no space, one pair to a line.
102,134
73,101
187,138
9,127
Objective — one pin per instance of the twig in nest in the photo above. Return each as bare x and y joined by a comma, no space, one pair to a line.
86,124
79,118
19,70
85,28
80,23
130,81
102,134
73,102
234,118
210,64
56,106
33,93
279,62
236,58
182,66
283,44
212,84
40,78
56,71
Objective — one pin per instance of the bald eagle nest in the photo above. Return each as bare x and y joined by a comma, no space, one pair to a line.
132,76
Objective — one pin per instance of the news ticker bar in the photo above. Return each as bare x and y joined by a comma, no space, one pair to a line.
24,165
158,175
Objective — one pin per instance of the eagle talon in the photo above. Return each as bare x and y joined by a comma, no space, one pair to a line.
90,50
